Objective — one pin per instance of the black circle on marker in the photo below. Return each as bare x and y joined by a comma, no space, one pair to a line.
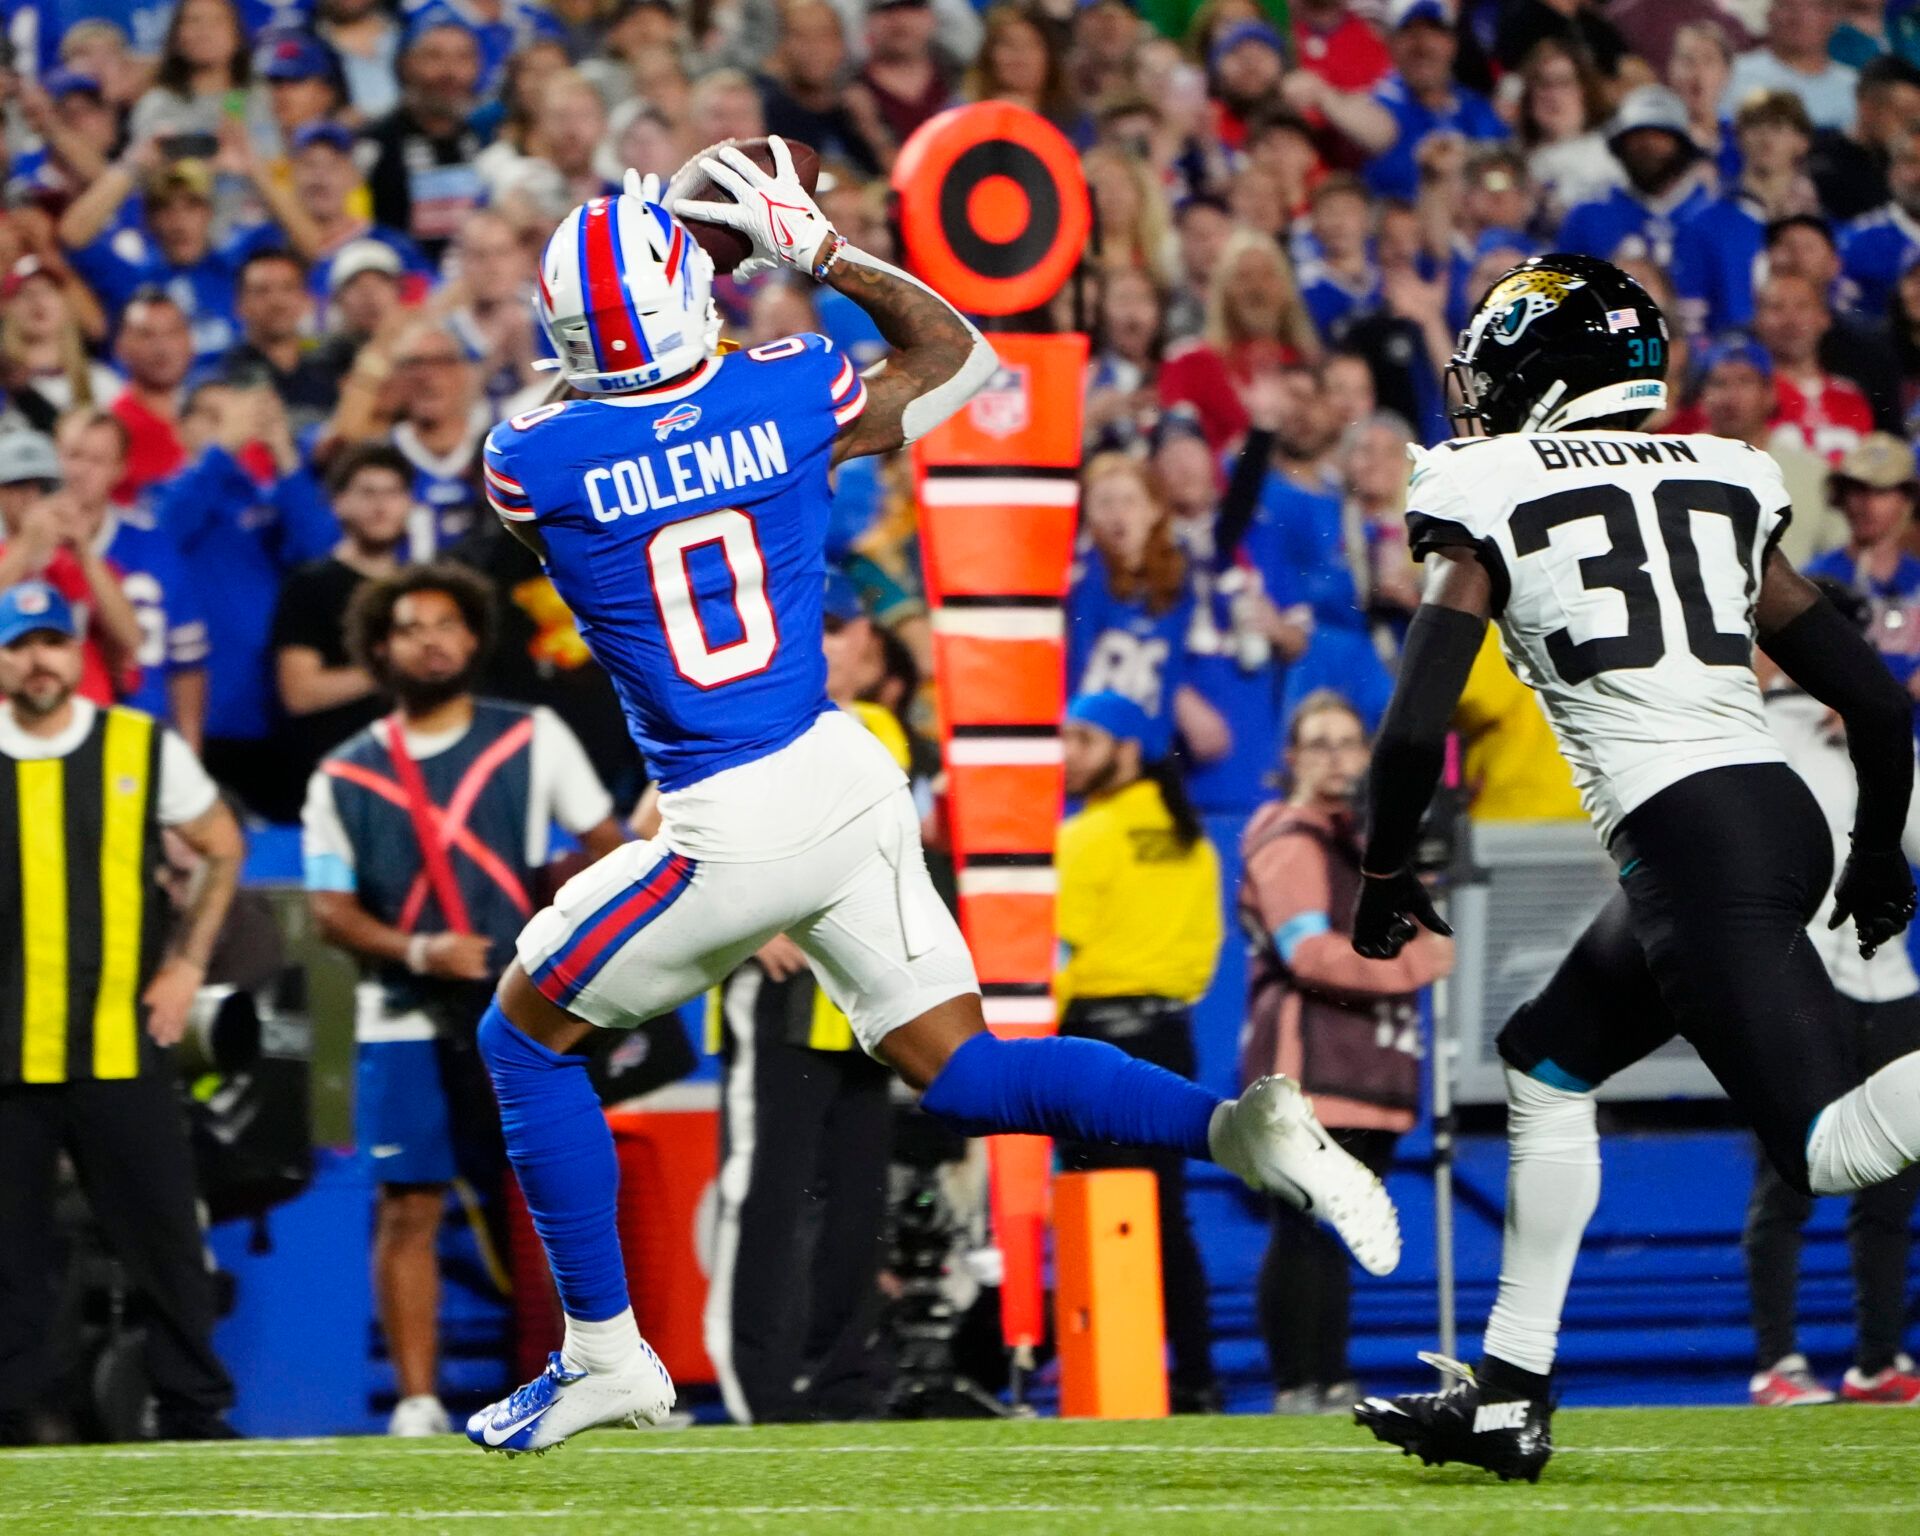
1026,250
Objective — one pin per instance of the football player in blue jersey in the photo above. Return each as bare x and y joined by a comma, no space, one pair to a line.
681,510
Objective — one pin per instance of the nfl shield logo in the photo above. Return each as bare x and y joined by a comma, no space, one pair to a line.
1002,408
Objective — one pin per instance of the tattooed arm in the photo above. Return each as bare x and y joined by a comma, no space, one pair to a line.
938,363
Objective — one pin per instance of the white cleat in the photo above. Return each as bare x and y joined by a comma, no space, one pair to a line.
415,1418
1270,1138
561,1402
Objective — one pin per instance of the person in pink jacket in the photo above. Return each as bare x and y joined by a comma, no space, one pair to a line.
1346,1028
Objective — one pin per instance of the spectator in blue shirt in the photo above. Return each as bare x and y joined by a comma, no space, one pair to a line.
172,656
1419,99
241,533
1341,277
1874,249
1239,642
1131,604
303,82
1717,252
1666,182
172,247
1876,488
77,130
328,181
500,27
444,418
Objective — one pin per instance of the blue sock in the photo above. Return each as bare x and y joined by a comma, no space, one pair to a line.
562,1151
1079,1090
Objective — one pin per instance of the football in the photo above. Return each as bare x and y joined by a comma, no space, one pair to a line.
728,247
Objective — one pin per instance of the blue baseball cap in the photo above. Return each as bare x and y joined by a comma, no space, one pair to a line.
62,83
431,18
333,135
287,54
33,606
1736,349
1438,13
1496,239
841,599
1246,32
1116,714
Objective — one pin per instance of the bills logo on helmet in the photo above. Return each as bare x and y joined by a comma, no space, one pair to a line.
682,418
1001,409
1522,299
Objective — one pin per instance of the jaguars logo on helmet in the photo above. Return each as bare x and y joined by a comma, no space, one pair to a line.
1561,341
1517,301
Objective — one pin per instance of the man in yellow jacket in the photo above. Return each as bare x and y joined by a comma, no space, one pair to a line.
1139,924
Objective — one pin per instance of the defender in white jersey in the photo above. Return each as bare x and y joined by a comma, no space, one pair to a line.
1631,576
1625,567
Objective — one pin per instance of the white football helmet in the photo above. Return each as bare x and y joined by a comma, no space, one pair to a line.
626,295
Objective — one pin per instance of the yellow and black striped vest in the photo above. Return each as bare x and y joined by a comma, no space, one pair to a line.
81,920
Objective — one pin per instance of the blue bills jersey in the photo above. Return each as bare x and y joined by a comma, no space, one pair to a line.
173,628
685,527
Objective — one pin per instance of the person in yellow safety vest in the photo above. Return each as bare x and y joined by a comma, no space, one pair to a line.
1140,928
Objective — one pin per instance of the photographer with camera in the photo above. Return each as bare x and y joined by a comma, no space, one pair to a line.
1347,1029
92,995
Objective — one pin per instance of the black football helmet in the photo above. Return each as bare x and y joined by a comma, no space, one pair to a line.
1561,341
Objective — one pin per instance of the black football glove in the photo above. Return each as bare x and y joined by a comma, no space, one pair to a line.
1390,907
1876,891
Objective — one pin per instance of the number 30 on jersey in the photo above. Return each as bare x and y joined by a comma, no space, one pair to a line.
669,557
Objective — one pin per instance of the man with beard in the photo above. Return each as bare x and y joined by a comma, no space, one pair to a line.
1139,928
90,1008
433,919
903,76
1666,182
423,180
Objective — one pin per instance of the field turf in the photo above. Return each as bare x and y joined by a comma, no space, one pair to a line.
1701,1471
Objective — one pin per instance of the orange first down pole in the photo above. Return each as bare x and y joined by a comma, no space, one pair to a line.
999,500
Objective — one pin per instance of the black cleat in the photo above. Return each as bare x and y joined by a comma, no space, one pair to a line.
1512,1437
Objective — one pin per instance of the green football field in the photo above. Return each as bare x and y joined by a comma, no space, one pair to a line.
1702,1471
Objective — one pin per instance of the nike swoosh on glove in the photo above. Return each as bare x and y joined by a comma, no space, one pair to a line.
776,213
1391,909
1876,891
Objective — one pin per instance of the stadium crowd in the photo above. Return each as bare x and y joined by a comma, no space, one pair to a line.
265,270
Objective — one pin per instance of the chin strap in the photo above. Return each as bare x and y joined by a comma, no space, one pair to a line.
1549,415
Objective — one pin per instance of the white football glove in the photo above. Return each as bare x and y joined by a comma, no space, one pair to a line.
647,188
775,212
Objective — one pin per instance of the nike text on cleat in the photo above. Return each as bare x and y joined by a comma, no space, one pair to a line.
561,1402
1270,1138
1512,1437
1499,1416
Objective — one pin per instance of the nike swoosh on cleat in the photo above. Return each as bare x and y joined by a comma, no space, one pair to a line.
496,1436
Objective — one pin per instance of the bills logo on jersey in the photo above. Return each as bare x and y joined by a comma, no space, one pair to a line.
682,418
1522,299
1002,409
